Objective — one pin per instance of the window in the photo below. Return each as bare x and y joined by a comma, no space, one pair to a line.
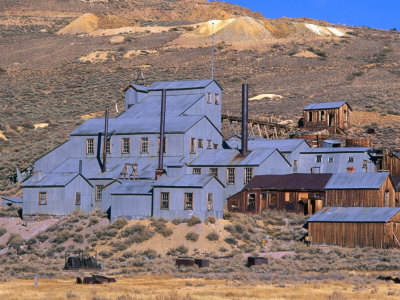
351,159
248,174
303,196
330,159
386,198
215,146
99,193
318,158
196,171
216,99
287,197
209,144
42,198
164,200
230,174
365,164
209,96
322,116
77,198
264,196
108,146
165,145
90,146
295,165
252,202
310,116
192,145
315,170
209,201
144,145
200,143
125,145
214,172
188,201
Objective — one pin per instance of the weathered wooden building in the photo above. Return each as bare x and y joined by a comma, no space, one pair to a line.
377,227
367,190
332,116
299,193
390,162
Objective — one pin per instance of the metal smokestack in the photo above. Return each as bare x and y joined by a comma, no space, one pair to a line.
245,118
104,167
160,170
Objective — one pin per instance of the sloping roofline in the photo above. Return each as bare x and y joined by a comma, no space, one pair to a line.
326,105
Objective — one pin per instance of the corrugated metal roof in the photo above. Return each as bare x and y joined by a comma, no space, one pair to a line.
228,157
188,180
137,87
180,85
325,105
355,214
52,180
136,126
134,187
337,150
344,181
297,181
284,145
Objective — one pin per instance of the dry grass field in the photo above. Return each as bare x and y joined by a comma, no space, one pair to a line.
170,288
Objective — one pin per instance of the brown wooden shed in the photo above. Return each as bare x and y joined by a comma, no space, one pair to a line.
299,193
332,116
377,227
360,189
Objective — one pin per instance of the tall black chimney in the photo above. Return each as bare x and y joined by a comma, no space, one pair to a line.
160,170
245,118
104,168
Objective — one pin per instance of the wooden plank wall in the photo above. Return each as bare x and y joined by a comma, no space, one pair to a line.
391,163
341,119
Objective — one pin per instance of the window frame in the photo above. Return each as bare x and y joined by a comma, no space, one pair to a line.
246,177
144,142
210,203
98,192
209,144
200,143
318,158
196,171
90,147
187,200
216,99
212,173
350,159
163,201
108,146
331,160
40,198
78,200
125,142
193,144
209,98
227,176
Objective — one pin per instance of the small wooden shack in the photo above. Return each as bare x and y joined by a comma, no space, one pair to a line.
333,116
299,193
377,227
390,162
360,189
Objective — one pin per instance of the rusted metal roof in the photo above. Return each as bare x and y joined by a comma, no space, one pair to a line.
355,214
298,182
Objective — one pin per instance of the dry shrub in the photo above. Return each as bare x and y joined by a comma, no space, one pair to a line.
120,223
137,233
3,230
192,236
161,226
211,219
213,236
193,221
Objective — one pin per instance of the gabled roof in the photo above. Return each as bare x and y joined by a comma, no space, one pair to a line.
396,183
355,214
188,180
291,182
54,180
284,145
181,84
134,187
326,105
346,181
336,150
228,157
137,87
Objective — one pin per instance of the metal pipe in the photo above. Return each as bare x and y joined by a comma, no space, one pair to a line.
245,118
162,129
80,166
104,167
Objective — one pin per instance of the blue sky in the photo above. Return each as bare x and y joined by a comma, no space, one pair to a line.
382,14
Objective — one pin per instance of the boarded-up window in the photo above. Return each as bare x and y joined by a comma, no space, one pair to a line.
287,197
303,196
90,146
164,200
386,198
273,200
77,198
188,201
42,198
209,201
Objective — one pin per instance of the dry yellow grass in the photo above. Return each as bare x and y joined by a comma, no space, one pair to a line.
2,136
165,287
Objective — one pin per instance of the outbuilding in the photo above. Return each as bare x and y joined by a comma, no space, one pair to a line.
377,227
